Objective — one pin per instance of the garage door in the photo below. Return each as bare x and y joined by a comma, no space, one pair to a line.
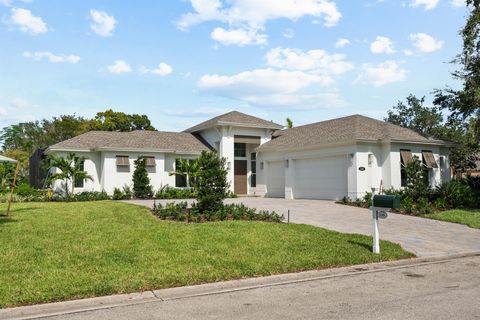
322,178
275,179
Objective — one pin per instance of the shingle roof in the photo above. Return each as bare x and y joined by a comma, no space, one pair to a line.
346,129
141,140
236,118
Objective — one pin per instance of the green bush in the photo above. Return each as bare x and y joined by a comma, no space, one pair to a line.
181,212
85,196
141,182
118,194
175,193
459,193
211,184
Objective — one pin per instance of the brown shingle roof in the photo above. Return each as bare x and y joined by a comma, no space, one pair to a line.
346,129
141,140
236,118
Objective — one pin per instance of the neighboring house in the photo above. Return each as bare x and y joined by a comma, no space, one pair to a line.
325,160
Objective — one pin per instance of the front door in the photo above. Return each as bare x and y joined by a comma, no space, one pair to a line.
240,172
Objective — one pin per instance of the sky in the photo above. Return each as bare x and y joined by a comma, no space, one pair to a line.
182,62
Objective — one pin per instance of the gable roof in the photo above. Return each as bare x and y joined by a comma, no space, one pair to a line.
235,118
342,130
136,140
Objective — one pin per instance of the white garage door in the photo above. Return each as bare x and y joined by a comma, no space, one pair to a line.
322,178
275,179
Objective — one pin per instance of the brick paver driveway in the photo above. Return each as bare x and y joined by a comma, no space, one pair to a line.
424,237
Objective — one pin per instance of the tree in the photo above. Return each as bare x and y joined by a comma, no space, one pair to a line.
110,120
141,182
212,185
430,122
289,123
187,168
69,169
465,102
414,115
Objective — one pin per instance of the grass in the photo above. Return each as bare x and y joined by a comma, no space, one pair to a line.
470,218
58,251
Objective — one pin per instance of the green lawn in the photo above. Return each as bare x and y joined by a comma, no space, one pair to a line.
58,251
470,218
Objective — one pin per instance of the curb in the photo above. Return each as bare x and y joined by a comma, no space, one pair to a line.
122,300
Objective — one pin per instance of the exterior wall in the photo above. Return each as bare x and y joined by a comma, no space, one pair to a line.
439,175
380,161
92,166
107,176
222,139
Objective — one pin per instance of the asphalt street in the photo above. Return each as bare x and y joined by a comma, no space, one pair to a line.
446,290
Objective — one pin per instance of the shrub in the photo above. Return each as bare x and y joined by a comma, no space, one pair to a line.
180,212
458,193
212,185
118,194
86,196
175,193
141,182
417,183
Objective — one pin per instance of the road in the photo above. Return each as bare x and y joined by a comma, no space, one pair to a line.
442,290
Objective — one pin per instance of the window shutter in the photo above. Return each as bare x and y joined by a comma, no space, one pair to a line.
123,161
406,156
150,161
429,159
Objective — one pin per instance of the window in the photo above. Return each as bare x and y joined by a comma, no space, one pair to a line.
429,163
253,177
122,161
405,158
150,161
79,183
240,150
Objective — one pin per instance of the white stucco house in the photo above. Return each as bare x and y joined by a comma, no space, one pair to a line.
331,159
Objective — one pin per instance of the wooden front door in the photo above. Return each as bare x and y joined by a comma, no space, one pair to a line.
240,172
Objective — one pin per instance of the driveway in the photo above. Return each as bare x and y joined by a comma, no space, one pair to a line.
424,237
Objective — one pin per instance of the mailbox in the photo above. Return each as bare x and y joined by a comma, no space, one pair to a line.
382,201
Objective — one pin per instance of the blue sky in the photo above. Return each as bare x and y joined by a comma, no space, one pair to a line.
181,62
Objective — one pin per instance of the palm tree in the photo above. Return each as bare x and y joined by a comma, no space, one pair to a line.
69,170
187,168
289,123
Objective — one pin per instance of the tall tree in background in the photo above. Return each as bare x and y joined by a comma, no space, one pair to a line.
465,102
118,121
430,122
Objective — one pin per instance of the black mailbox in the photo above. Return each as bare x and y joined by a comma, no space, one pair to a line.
382,201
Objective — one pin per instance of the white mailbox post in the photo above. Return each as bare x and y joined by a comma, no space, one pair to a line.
376,214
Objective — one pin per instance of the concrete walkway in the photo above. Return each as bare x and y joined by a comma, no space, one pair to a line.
424,237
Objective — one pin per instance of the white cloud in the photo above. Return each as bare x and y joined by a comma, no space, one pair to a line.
382,45
247,17
408,52
55,58
342,42
163,69
381,74
27,22
6,3
3,111
240,37
19,103
458,3
257,13
288,33
425,43
271,88
119,66
314,61
427,4
102,23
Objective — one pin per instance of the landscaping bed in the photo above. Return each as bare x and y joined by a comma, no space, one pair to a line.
61,250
